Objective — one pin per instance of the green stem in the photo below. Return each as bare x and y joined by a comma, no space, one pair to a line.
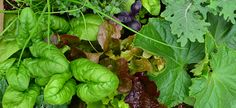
28,40
88,5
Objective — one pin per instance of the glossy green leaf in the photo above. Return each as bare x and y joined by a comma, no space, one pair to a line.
152,6
97,81
87,28
59,89
20,99
173,81
18,78
216,88
57,24
48,60
42,81
27,26
5,65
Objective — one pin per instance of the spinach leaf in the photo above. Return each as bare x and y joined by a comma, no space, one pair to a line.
87,28
20,99
48,60
97,81
18,78
59,89
173,81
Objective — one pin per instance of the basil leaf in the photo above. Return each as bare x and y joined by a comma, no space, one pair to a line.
20,99
18,78
59,89
97,81
152,6
48,60
87,28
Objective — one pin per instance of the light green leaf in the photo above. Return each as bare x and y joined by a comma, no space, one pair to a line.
18,99
174,81
217,87
87,28
186,20
7,49
152,6
48,60
5,65
225,8
18,78
27,26
97,81
59,89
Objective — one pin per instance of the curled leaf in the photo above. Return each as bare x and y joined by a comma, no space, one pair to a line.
97,81
144,93
108,30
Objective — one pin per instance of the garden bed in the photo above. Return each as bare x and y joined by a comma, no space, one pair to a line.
117,54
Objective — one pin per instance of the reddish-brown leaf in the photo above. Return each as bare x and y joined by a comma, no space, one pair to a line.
143,94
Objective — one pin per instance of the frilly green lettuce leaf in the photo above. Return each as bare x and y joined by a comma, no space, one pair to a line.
20,99
59,89
48,60
97,81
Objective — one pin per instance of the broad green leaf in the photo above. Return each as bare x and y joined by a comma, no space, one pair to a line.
59,89
27,26
18,78
186,22
57,24
12,31
97,82
87,28
42,81
18,99
152,6
5,65
174,81
48,60
223,32
217,87
226,8
7,49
